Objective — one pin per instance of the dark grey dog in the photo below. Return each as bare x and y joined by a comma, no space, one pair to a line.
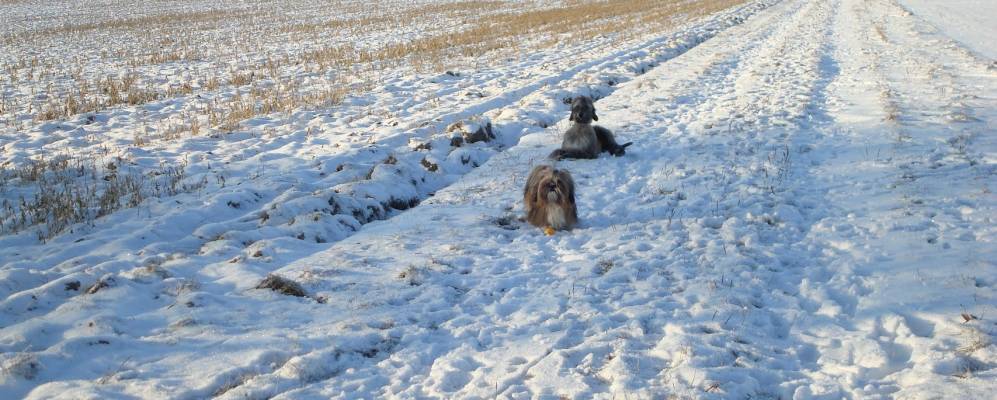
584,140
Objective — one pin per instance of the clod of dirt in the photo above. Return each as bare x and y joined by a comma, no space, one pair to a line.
282,285
430,166
401,204
422,146
604,266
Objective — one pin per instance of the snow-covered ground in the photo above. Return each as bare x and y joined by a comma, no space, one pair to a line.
970,22
807,212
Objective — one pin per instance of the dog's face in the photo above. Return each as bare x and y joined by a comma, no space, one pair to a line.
583,110
549,198
553,187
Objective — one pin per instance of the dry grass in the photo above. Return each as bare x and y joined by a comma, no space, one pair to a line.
880,33
20,365
974,339
282,285
513,30
144,22
70,190
448,34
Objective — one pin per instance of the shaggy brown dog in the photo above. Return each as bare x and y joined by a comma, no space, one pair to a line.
550,198
584,140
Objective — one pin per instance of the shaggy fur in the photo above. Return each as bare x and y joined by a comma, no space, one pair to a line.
584,140
549,198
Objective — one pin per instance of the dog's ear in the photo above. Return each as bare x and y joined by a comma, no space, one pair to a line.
569,185
572,116
540,197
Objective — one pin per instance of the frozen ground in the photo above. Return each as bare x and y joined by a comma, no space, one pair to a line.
967,21
807,212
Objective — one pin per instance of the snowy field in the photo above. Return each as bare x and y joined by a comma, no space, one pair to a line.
807,211
969,22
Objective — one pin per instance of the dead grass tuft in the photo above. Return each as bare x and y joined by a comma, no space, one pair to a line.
20,364
974,339
413,275
102,283
282,285
67,190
